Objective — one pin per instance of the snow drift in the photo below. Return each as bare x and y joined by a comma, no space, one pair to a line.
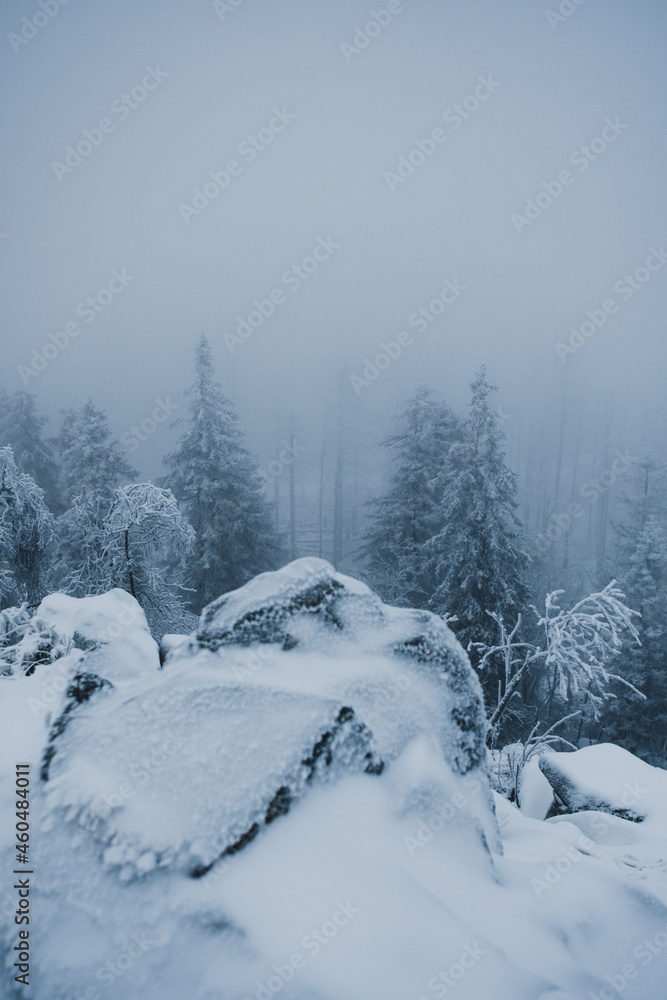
294,801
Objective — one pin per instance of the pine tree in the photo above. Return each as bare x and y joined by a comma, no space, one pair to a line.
93,464
92,467
641,726
21,427
217,483
477,554
26,530
409,515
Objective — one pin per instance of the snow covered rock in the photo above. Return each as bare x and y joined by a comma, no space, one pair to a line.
307,605
297,803
607,778
299,677
110,627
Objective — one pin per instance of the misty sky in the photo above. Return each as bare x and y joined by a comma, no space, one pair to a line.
221,76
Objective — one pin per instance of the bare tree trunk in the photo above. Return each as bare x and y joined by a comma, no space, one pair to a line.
320,522
573,494
292,500
129,564
338,509
338,491
603,512
559,456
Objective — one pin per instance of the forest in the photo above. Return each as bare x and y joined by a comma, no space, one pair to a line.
553,575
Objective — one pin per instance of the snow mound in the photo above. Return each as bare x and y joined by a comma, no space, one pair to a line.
607,778
298,804
94,619
536,797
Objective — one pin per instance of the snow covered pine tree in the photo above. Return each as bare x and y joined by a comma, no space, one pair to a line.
410,513
217,483
21,427
477,556
26,530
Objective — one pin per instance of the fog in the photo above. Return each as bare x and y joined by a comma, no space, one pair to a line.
380,626
201,79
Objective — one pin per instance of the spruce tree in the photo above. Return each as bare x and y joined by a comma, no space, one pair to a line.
410,512
218,485
26,531
21,427
477,554
93,464
641,726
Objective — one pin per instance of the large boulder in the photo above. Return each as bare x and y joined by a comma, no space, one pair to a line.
606,778
299,677
292,800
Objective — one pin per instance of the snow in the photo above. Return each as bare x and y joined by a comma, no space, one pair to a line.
536,795
608,778
113,625
349,736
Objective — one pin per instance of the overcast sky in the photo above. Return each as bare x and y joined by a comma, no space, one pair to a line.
339,118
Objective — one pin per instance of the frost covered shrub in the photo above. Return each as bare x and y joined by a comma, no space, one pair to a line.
26,642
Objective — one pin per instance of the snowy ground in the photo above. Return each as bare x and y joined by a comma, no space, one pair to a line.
297,805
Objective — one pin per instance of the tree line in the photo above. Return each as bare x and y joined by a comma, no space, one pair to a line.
444,536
